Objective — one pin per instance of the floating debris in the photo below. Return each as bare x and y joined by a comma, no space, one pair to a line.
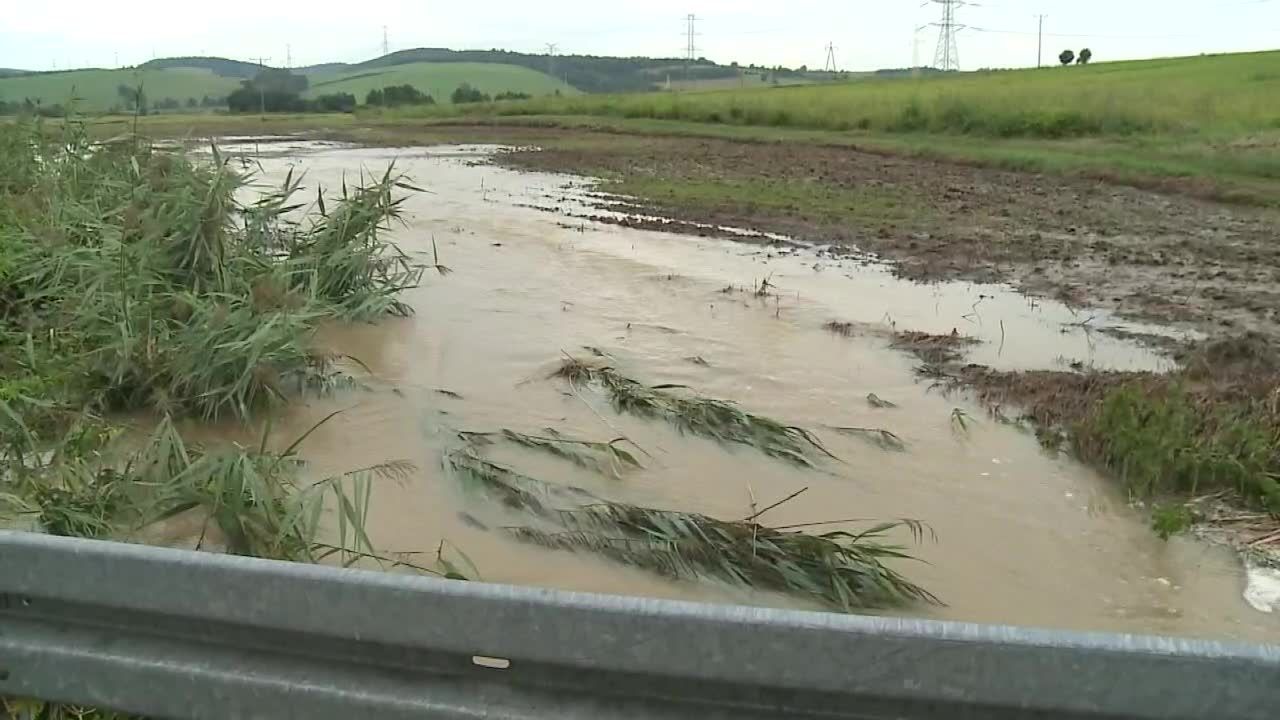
877,436
843,329
934,349
877,402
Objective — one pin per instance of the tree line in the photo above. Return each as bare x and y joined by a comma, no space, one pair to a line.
275,90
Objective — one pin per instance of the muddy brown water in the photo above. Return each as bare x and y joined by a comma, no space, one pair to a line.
1023,538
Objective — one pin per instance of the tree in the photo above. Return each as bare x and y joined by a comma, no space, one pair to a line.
192,103
1085,56
397,95
1067,57
134,98
272,90
467,94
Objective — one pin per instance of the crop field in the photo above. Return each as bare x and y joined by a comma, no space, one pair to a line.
1223,94
440,79
98,90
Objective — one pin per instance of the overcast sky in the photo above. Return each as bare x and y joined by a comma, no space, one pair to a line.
868,34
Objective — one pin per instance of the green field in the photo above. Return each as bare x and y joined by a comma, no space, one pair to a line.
97,89
440,80
1219,93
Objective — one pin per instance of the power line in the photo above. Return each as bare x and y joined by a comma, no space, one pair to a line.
831,59
947,56
691,51
386,46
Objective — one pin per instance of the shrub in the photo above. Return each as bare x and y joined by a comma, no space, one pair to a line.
334,102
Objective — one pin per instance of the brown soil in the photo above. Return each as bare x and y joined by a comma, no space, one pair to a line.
1173,259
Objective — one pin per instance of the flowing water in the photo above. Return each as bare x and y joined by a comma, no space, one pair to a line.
1022,537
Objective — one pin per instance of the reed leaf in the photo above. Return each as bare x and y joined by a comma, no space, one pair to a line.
716,419
843,570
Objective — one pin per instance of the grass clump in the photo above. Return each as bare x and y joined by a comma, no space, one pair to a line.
716,419
1166,441
138,272
1211,426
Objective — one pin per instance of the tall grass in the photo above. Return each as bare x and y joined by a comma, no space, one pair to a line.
138,268
131,278
1228,93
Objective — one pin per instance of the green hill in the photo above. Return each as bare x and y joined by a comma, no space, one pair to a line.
98,89
588,73
440,80
216,65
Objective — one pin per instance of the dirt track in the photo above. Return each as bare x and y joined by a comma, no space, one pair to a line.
1166,258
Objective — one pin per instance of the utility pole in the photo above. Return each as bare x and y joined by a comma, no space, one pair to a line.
288,56
915,50
691,51
831,59
262,91
947,56
386,46
551,58
1040,43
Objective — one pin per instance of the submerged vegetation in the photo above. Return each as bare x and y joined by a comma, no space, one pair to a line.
132,278
708,417
841,569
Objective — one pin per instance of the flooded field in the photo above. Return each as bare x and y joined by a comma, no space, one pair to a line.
1023,537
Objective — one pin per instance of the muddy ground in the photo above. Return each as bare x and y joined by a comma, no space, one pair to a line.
1172,258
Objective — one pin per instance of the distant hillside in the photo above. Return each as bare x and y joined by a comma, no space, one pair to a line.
222,67
98,90
588,73
324,69
439,79
8,72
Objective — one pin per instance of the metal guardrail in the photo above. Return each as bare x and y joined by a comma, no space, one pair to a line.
178,634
